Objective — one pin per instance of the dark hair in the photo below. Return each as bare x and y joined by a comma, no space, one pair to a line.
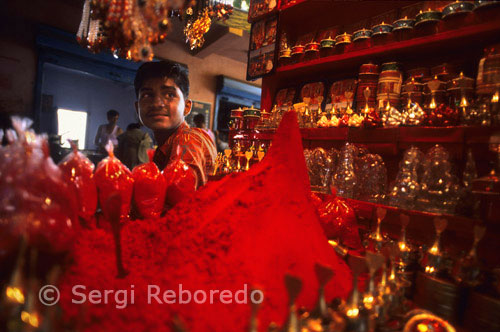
134,125
199,119
160,69
112,113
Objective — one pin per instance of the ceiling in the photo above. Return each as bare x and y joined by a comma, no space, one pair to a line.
66,14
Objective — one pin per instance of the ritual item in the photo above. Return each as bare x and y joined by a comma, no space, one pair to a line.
382,29
79,170
428,17
403,245
251,117
343,39
413,114
327,41
339,222
389,85
15,290
460,91
412,90
248,156
457,8
370,299
324,274
319,165
285,51
293,286
150,187
488,76
361,35
237,119
368,80
418,74
427,321
407,187
180,180
440,189
372,175
345,178
470,171
112,177
37,201
445,71
467,270
402,28
341,94
391,117
376,238
433,261
356,319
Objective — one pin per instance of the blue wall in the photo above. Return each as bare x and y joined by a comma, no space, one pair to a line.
80,91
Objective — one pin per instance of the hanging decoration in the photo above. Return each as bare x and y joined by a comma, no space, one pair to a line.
196,30
197,27
130,28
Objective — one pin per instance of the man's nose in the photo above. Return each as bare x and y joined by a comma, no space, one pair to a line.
159,101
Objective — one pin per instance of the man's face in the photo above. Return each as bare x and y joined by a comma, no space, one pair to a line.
161,104
113,119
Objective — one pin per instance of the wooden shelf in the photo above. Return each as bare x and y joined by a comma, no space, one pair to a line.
459,37
457,237
291,4
417,134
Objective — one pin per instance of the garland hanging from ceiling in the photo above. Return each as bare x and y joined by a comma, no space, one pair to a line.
130,28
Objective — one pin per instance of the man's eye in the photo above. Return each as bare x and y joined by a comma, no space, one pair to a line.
170,94
146,95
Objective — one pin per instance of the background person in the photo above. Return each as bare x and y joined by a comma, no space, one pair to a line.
199,122
108,132
133,145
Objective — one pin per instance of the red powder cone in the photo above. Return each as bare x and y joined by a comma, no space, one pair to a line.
249,228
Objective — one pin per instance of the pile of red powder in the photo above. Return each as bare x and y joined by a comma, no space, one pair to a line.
249,228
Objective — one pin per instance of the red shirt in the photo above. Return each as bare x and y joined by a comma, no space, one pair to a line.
196,149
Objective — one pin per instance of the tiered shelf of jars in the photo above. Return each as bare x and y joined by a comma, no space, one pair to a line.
463,40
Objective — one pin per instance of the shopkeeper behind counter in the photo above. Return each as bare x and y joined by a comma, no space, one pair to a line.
162,91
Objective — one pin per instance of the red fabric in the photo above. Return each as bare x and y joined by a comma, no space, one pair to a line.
196,149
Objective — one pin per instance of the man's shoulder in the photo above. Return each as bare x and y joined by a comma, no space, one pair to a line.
193,133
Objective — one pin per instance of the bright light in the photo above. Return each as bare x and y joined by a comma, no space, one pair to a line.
353,312
244,6
15,294
72,125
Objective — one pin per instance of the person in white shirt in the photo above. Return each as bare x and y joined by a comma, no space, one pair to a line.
108,132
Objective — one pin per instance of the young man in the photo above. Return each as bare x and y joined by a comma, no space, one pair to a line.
162,90
108,132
